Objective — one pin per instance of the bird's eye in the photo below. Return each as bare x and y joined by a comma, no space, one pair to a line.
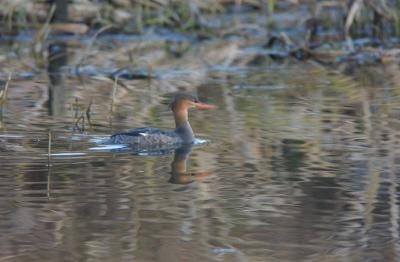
195,100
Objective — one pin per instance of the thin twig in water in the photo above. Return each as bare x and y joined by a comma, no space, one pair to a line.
49,149
88,109
81,117
48,181
88,113
48,165
3,93
115,86
83,123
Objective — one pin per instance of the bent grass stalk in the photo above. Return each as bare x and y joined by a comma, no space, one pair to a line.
38,46
115,86
89,112
90,44
3,93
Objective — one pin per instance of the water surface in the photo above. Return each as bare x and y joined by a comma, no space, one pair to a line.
301,162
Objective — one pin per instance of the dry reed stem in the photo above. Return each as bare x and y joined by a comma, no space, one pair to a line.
115,86
3,93
90,44
41,35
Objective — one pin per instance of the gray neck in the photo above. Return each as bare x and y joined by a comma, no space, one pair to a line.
184,130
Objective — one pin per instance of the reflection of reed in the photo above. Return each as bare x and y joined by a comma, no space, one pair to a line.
381,190
57,86
393,194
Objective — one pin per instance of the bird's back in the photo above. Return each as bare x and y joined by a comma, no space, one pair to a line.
146,137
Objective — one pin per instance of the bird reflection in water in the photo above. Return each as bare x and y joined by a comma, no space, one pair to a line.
179,174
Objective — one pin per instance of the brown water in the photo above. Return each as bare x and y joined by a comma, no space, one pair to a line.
301,165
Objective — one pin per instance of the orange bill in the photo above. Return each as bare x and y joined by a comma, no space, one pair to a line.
205,106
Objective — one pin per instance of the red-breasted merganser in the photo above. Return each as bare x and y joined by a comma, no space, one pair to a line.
148,137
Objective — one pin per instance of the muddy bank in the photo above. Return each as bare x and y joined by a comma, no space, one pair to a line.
333,19
327,32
